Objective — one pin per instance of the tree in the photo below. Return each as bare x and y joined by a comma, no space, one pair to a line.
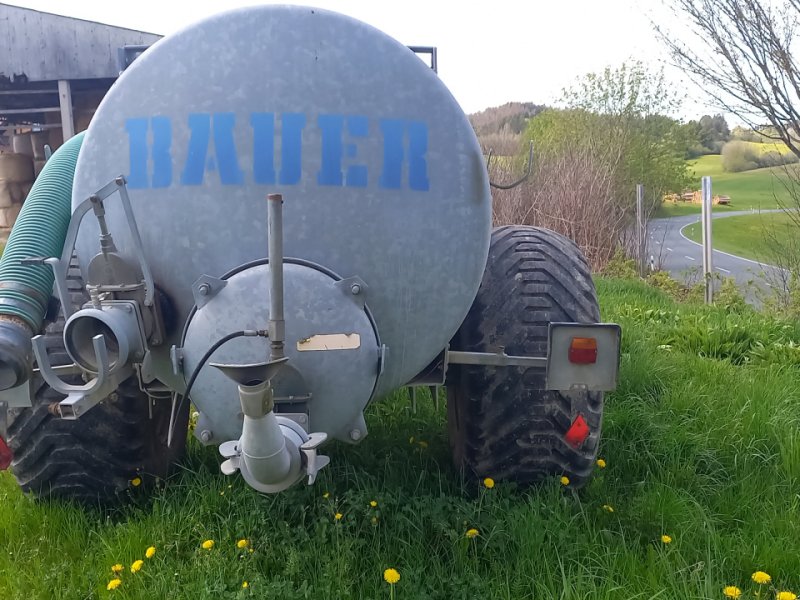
626,112
741,52
610,134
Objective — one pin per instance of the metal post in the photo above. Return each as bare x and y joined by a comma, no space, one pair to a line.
641,234
706,220
277,327
65,102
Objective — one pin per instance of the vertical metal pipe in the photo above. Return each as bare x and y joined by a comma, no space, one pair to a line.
708,266
277,327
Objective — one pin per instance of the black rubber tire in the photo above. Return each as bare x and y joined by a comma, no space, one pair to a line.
502,424
93,459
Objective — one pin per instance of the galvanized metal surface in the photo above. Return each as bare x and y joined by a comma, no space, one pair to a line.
409,215
340,381
47,47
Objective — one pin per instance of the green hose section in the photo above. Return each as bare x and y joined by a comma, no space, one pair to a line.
39,231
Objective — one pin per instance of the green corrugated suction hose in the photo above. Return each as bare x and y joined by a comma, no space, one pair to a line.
25,290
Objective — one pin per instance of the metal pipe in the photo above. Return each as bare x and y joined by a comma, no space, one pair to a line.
277,326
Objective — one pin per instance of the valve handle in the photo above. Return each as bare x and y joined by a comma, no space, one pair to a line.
314,462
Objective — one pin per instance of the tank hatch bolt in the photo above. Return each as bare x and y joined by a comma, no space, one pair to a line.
206,436
204,289
355,434
355,289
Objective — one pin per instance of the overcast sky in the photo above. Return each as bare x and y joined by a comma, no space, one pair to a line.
490,53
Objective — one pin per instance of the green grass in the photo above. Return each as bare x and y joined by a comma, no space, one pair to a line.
758,189
745,235
702,440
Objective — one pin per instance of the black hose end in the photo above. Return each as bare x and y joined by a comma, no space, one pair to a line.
15,354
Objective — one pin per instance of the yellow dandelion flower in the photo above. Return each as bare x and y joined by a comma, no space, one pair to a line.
114,584
150,552
488,483
117,568
208,544
564,480
666,539
760,577
137,566
338,516
471,533
241,544
326,495
136,481
391,576
601,463
245,585
608,508
785,596
731,591
373,504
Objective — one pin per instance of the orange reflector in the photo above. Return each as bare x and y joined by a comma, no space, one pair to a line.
583,351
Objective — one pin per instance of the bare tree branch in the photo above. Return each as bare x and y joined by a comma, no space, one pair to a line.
746,64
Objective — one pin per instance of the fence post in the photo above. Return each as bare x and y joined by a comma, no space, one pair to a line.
706,220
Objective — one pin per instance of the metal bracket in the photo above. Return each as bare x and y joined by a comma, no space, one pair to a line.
17,397
176,358
61,265
355,289
205,288
382,352
494,359
79,398
519,181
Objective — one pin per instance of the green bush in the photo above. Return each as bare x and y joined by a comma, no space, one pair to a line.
620,267
739,156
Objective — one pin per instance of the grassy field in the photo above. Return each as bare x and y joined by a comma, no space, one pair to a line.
745,235
701,440
759,189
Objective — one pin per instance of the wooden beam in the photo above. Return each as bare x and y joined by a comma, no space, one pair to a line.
25,111
20,92
67,118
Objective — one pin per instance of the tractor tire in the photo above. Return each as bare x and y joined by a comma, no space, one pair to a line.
502,423
118,443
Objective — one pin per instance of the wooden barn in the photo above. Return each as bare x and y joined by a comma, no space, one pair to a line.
54,71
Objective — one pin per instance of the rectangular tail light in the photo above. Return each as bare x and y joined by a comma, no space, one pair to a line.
583,351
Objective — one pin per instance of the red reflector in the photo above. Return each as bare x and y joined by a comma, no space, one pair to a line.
5,455
583,351
577,433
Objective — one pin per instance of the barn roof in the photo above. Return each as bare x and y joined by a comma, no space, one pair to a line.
39,46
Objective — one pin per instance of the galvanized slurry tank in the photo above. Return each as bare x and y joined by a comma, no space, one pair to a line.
381,174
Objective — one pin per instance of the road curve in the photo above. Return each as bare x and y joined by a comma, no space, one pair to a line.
683,258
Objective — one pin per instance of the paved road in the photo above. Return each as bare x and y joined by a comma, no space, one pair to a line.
682,257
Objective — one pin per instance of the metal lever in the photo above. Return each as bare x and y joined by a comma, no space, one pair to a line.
60,278
314,462
519,181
